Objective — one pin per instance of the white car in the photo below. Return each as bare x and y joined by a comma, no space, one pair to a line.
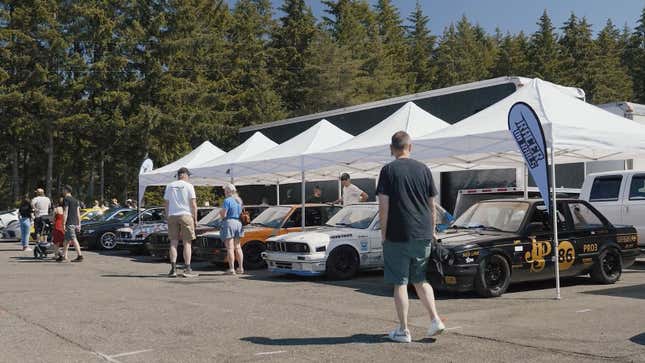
6,217
350,241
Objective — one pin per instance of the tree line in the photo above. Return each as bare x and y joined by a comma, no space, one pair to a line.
88,88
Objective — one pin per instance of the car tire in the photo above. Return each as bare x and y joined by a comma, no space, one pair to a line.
253,255
608,268
343,263
493,276
107,241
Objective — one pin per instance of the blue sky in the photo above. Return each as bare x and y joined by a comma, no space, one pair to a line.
514,15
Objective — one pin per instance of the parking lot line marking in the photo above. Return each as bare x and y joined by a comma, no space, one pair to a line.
270,353
130,353
583,311
107,358
453,328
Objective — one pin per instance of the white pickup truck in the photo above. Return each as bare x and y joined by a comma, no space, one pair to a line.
620,196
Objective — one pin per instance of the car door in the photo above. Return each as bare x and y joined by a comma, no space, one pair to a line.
605,196
533,252
589,231
376,243
293,222
634,204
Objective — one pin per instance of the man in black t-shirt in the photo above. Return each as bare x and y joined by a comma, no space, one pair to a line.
406,194
71,223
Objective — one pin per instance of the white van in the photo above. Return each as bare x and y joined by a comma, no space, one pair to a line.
620,196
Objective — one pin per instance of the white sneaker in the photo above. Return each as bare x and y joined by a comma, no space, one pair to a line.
436,328
28,249
400,336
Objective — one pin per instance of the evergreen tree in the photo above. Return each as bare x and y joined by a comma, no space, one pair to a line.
577,48
421,44
463,55
634,58
291,43
254,98
544,51
608,77
392,62
512,58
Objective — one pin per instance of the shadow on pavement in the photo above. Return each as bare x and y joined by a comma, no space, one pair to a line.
634,291
638,339
23,259
357,338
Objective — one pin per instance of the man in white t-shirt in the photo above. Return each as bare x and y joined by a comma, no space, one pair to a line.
41,206
181,211
351,193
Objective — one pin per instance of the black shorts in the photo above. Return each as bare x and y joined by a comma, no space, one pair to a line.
39,224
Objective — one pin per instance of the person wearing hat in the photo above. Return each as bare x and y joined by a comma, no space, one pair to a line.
41,205
181,211
351,193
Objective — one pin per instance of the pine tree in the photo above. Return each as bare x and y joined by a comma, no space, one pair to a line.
291,44
608,77
634,58
392,62
254,98
512,58
577,52
544,51
421,44
463,55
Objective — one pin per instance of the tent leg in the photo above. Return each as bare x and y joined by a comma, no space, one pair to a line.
277,192
303,189
340,189
554,213
526,182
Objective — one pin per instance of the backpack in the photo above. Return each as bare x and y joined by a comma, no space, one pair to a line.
245,217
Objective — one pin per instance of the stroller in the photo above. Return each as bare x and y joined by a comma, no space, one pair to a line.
42,249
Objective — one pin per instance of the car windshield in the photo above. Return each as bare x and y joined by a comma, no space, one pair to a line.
271,217
354,216
212,219
497,216
106,216
126,215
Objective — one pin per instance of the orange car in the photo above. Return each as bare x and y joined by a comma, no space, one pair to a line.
273,221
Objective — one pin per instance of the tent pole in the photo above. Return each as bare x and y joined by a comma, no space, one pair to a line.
526,182
277,192
302,189
340,188
554,213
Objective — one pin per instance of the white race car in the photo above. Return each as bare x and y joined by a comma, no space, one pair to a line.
350,241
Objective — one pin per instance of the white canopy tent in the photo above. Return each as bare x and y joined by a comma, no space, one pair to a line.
364,154
578,131
285,162
221,169
166,174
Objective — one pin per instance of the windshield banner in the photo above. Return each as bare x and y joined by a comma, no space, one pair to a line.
525,126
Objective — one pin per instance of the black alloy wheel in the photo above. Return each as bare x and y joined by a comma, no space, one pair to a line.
608,268
343,263
253,255
493,276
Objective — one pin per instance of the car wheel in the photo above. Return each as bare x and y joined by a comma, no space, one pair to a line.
608,268
343,263
107,241
493,276
253,255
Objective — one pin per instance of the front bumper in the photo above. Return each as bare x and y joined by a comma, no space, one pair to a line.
130,242
295,264
459,278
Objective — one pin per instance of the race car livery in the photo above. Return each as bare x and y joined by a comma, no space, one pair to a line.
349,241
498,242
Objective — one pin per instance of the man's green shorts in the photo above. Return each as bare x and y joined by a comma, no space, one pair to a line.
406,262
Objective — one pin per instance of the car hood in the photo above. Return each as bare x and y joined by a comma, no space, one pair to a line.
319,235
456,238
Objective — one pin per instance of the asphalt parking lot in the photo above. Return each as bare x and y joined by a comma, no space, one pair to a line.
114,307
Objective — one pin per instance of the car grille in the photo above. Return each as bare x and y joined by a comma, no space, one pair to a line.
295,247
283,265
